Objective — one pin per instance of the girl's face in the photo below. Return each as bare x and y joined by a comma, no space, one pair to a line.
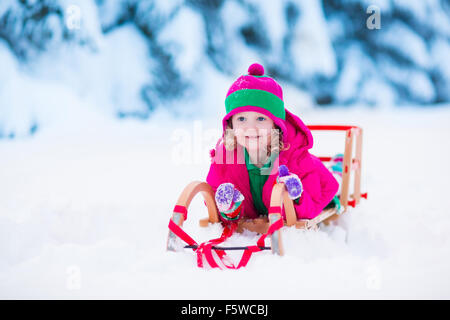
252,130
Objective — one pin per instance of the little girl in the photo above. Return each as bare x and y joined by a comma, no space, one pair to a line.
260,136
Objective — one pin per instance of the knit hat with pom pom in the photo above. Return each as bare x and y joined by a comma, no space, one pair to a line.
256,92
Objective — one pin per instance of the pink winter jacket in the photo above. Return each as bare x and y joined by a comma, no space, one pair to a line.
319,186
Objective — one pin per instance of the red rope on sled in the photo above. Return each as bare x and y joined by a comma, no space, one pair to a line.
276,209
181,234
205,248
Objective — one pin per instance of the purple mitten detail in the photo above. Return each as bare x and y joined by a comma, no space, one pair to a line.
294,186
291,181
224,196
237,197
283,171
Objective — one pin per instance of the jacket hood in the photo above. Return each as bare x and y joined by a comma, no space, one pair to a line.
298,137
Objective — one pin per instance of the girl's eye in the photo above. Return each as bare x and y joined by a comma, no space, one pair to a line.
261,118
241,118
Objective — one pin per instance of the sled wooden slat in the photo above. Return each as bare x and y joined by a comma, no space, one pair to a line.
259,225
358,158
312,223
346,168
276,200
291,216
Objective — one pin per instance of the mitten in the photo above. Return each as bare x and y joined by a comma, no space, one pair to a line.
229,201
291,181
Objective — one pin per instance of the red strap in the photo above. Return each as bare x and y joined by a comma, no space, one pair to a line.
205,249
273,227
247,255
252,249
276,209
181,234
182,210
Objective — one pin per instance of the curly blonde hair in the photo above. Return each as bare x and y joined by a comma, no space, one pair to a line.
230,141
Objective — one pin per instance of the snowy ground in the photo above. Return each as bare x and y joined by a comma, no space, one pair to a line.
84,211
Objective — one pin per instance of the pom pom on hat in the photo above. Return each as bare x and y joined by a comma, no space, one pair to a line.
256,70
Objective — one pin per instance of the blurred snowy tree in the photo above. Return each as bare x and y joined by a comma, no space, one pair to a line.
30,26
322,47
399,58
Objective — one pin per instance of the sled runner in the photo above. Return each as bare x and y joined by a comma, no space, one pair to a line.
271,225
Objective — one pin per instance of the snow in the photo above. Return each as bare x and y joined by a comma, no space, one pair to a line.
86,196
156,14
189,50
412,47
351,74
427,12
111,12
110,77
85,206
272,13
312,50
440,51
384,5
82,19
239,54
415,81
376,91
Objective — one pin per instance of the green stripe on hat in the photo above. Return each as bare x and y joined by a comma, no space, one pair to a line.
256,98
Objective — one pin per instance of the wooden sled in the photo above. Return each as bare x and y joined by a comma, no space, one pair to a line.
280,198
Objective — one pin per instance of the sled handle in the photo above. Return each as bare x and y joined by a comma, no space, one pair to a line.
191,190
276,201
181,208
